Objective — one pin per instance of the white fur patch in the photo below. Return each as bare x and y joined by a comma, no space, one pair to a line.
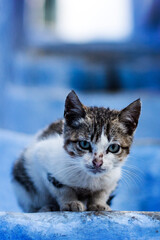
78,122
102,144
49,156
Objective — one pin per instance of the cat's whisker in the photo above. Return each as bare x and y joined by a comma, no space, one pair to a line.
72,175
134,173
66,170
138,177
133,167
128,178
132,178
62,171
123,180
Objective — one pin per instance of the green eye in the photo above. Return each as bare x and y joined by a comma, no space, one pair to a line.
84,145
113,148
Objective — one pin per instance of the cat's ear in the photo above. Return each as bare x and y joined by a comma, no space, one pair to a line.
129,116
74,112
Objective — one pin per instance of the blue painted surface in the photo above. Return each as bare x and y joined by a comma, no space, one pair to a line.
69,226
138,75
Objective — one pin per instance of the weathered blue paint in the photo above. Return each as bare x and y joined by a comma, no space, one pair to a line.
87,225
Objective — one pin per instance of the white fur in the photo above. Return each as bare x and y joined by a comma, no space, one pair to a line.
78,122
49,156
23,198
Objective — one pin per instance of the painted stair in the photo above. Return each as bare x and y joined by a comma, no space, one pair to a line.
86,225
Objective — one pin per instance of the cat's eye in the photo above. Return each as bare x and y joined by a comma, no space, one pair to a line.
113,148
84,145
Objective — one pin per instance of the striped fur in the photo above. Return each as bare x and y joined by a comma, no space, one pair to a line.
56,173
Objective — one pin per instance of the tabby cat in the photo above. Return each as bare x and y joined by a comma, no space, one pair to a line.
75,163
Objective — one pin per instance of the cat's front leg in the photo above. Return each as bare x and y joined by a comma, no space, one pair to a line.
97,202
68,201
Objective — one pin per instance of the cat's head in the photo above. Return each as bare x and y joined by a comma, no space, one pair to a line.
98,139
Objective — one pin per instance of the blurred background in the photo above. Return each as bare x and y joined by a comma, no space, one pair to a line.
108,51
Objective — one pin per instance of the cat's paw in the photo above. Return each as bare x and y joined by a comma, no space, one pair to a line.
48,208
98,207
73,206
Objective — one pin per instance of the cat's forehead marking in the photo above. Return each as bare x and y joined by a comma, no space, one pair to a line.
101,119
103,136
102,142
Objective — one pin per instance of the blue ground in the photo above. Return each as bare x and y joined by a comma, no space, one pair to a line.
83,226
26,110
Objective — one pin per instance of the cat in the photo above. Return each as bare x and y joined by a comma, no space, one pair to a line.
75,163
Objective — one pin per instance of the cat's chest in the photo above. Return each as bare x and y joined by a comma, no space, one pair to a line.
87,189
83,193
87,186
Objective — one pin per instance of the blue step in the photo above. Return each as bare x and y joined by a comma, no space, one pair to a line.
83,226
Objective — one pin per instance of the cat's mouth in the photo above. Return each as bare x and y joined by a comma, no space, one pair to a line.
95,169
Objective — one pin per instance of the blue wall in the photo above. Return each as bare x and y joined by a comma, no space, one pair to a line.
34,83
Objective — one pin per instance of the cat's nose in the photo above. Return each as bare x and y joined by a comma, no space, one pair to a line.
97,163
